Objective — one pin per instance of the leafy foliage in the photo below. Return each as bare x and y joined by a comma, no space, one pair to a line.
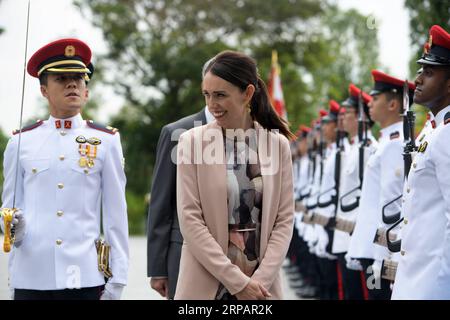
424,14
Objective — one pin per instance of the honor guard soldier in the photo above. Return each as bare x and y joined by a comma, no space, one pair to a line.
359,146
424,267
383,181
70,178
326,206
301,259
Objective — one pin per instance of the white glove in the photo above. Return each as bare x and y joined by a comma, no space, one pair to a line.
376,269
113,291
297,219
19,224
301,229
322,242
353,264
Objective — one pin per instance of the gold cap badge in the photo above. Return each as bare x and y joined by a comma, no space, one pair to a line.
69,51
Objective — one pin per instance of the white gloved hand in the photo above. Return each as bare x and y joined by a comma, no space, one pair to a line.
113,291
298,219
19,225
322,242
353,264
301,229
376,269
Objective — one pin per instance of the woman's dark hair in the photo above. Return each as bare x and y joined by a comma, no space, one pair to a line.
240,70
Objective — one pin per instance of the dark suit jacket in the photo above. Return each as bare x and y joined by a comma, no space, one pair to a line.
164,238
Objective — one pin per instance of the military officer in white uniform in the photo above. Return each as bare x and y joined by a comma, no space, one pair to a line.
383,180
70,178
354,286
327,262
424,267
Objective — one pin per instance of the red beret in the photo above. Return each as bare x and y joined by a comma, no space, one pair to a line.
387,83
304,128
64,55
303,131
354,90
334,106
366,97
437,50
323,113
354,96
333,113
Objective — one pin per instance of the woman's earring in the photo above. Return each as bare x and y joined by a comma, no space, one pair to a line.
249,108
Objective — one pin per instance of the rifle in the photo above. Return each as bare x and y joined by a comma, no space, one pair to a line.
363,140
409,148
337,178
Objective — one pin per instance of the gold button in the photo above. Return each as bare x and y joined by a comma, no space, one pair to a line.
59,213
62,157
414,165
403,200
407,190
405,221
60,185
402,252
86,171
59,242
34,170
63,133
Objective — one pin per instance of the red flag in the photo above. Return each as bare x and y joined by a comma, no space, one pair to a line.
275,89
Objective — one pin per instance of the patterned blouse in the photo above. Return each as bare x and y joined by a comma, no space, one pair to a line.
245,191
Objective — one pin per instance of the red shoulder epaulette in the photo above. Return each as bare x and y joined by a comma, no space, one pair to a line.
29,127
97,126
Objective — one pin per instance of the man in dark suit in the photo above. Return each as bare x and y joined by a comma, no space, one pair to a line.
164,239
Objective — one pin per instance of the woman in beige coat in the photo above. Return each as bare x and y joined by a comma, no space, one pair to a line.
234,189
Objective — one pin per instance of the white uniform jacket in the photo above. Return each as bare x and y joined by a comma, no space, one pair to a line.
350,181
424,266
383,181
62,204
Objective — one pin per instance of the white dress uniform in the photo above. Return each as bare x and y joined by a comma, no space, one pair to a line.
310,235
301,184
383,181
62,204
424,266
427,129
350,181
326,191
301,175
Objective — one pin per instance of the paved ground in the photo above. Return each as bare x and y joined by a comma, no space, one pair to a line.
138,285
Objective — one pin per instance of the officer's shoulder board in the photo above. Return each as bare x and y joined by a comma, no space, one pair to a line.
394,135
29,127
97,126
447,118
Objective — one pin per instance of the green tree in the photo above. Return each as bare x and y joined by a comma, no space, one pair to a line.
424,14
157,50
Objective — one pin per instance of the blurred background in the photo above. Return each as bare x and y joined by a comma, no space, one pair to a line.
149,55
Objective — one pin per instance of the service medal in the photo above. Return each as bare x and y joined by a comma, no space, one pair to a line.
80,139
83,162
94,141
